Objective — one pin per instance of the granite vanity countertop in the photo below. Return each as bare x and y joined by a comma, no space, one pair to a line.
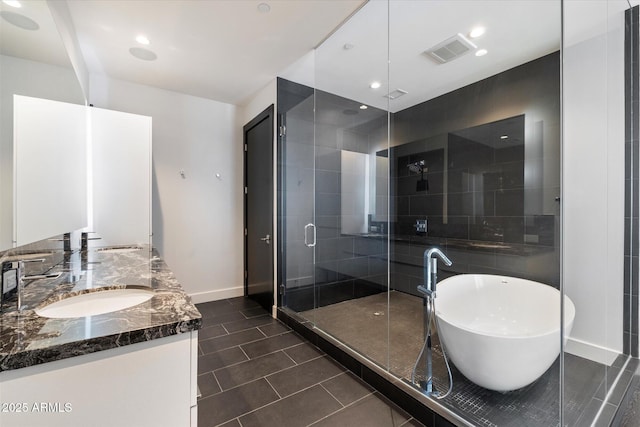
27,339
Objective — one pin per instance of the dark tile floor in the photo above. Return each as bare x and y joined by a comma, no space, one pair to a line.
254,371
387,328
629,413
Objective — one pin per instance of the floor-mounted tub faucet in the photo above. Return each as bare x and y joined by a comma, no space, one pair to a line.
428,291
431,270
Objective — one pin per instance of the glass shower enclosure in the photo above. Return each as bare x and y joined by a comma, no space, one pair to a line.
409,129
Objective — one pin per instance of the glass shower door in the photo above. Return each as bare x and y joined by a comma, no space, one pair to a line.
334,187
296,197
351,129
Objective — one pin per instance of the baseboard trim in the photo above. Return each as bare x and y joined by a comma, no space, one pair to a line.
591,351
217,294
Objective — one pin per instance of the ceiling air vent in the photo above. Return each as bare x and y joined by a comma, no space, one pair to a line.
396,94
450,49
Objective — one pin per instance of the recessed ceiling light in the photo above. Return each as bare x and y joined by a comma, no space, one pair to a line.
19,20
12,3
363,107
481,52
375,85
142,53
477,32
504,137
264,8
347,46
142,39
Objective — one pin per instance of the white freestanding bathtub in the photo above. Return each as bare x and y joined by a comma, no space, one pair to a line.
501,332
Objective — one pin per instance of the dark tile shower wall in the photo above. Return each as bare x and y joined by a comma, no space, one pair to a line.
347,266
632,123
342,266
491,207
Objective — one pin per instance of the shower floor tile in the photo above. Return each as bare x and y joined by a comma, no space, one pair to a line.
393,337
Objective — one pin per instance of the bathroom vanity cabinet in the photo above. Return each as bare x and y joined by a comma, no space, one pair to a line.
132,367
152,383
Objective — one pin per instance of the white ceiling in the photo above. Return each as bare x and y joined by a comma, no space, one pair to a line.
42,45
516,32
227,50
219,49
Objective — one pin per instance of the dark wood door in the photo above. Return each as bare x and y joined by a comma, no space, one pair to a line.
259,239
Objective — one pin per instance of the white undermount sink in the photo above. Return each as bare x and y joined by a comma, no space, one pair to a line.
95,303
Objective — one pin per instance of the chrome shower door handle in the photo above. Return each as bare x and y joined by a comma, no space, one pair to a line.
266,239
306,229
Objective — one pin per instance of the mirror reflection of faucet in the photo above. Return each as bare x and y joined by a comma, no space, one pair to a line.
84,240
66,239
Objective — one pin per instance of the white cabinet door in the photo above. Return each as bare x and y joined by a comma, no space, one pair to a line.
146,384
121,177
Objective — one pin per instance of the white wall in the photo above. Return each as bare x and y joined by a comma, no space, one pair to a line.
28,78
120,159
197,220
593,175
259,102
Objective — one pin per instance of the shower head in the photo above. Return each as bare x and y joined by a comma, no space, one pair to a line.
416,167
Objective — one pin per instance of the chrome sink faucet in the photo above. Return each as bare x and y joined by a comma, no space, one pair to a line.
18,266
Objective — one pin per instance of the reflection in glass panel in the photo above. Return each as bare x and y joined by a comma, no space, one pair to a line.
462,155
477,190
35,64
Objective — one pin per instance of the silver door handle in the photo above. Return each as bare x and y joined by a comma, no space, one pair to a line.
266,239
306,242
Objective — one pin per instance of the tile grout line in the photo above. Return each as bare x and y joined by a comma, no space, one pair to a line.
243,330
237,345
407,421
276,401
325,389
244,352
256,379
273,373
277,350
266,316
344,407
287,354
274,389
217,382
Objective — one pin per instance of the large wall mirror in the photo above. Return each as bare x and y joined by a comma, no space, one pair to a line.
34,63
